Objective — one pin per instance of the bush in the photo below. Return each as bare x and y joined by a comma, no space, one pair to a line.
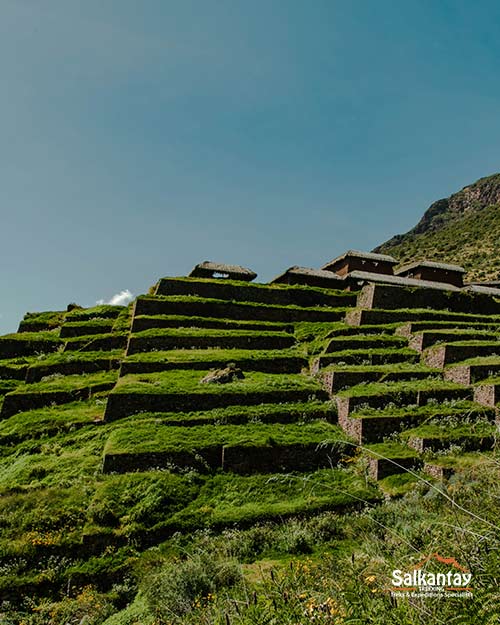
184,585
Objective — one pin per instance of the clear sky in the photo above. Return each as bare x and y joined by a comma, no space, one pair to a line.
139,137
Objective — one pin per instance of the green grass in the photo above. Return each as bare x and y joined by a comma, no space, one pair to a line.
192,321
476,343
460,332
215,355
399,484
96,312
58,382
390,449
397,341
47,320
449,429
48,336
382,388
458,408
208,332
465,460
367,354
61,461
95,322
61,358
50,420
7,386
146,437
479,360
231,499
397,367
316,330
76,343
297,411
263,286
181,381
192,299
141,499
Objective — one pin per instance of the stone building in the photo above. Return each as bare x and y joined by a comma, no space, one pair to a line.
433,272
352,260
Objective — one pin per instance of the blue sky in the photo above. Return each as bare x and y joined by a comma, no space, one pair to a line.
141,137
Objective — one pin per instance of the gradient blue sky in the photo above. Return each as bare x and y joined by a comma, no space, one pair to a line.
140,137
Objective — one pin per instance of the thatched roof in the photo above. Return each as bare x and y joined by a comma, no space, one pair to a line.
379,258
494,284
366,276
303,273
487,290
209,269
429,264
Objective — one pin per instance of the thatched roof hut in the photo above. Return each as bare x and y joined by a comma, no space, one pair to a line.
310,277
433,272
353,260
356,279
208,269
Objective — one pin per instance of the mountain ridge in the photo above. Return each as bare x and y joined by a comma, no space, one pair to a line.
463,228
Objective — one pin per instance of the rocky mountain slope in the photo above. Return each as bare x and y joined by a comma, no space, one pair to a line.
463,228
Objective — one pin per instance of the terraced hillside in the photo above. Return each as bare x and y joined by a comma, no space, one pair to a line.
111,442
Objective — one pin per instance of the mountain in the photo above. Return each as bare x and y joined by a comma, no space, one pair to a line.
463,229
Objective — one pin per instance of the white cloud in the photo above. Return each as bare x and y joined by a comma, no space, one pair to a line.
119,299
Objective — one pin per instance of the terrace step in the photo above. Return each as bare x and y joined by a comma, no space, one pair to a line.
14,369
416,393
259,498
443,467
412,327
340,377
248,360
42,321
101,311
69,364
432,295
7,386
148,322
86,328
386,459
59,391
165,340
342,329
103,342
441,355
258,448
362,316
469,436
428,338
50,421
360,341
262,413
365,357
199,307
373,427
28,344
473,370
282,295
181,391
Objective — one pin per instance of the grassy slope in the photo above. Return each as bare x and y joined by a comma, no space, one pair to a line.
470,239
218,546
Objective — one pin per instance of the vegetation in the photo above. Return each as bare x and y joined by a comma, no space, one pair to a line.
277,529
463,229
